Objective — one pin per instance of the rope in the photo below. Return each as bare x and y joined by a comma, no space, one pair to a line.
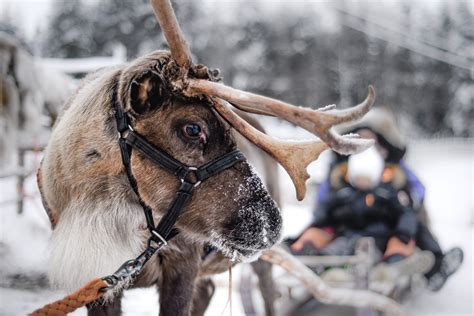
230,290
229,294
87,294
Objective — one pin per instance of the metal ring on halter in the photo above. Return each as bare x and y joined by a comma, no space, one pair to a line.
191,170
154,232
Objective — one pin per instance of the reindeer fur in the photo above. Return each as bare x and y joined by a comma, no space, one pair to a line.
99,221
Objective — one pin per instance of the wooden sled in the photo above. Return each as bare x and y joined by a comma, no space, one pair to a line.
299,283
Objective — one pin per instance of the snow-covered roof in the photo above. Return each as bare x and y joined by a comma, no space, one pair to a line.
85,65
80,65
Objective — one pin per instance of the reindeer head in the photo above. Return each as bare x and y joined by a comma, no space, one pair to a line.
232,209
294,157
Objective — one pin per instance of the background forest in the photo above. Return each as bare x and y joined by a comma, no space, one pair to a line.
419,56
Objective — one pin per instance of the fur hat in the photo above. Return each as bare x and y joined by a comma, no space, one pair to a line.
381,121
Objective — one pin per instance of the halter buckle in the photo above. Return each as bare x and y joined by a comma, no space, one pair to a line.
191,176
123,134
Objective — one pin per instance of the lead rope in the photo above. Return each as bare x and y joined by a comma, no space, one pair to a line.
229,293
230,289
91,292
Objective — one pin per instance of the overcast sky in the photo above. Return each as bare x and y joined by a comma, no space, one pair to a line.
32,15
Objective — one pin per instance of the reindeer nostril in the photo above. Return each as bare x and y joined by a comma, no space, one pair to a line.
257,224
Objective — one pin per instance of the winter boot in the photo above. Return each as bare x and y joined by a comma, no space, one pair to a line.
385,277
418,263
450,263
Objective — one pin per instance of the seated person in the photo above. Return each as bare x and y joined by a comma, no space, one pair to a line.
362,205
398,188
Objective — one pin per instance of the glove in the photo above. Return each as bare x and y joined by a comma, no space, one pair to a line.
397,247
316,237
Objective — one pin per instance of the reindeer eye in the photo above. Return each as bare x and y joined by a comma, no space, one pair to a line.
192,130
193,133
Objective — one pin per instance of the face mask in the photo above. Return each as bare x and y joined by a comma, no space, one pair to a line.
365,169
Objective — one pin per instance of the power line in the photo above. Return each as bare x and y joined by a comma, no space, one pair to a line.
440,43
402,40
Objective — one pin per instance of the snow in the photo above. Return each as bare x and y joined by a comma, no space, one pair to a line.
450,201
84,65
446,168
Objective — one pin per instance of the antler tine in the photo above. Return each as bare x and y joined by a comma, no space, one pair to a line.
318,122
336,117
293,156
173,34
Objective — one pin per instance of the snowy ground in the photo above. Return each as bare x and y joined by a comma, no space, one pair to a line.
446,167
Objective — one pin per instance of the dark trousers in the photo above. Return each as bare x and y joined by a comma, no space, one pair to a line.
426,241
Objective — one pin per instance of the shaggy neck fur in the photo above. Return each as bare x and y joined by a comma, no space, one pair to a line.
100,224
86,244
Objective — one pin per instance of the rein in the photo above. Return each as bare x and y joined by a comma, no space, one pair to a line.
189,176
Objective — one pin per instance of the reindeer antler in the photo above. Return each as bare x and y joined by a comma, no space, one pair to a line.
174,36
293,156
315,121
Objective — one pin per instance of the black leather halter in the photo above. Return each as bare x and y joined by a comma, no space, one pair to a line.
190,178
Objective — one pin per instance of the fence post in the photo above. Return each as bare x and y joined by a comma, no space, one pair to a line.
20,182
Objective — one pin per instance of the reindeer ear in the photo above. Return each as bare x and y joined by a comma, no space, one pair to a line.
147,93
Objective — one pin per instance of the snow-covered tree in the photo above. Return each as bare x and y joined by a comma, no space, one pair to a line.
410,53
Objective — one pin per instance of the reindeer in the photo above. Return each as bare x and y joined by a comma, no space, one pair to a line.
156,138
25,94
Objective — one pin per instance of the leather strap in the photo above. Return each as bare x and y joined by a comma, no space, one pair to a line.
156,155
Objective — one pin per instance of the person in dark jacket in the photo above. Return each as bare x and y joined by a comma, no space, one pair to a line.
364,204
391,211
